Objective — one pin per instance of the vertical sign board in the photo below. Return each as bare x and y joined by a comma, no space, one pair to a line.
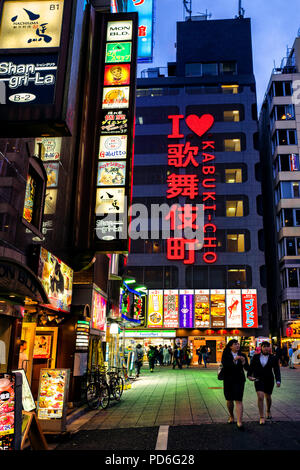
202,308
233,308
10,411
171,309
217,308
249,305
155,309
114,135
186,309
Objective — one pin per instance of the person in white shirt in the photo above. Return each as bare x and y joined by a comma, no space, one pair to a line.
23,358
263,368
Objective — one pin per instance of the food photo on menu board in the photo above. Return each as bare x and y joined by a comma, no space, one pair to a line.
7,404
51,393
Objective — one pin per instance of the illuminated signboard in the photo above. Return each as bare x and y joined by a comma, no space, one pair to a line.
98,311
202,308
50,147
118,74
29,202
31,24
10,411
114,122
171,309
52,174
57,280
186,308
249,304
115,97
145,35
187,184
119,31
155,309
233,308
28,79
114,146
118,52
217,308
53,392
110,201
111,173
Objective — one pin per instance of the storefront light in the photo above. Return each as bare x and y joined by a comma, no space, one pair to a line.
114,329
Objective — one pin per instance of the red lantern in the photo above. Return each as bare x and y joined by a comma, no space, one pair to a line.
289,331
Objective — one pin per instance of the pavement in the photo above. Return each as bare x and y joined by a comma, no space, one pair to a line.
185,409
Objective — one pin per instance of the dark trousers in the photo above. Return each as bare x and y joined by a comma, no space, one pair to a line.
200,359
177,362
151,362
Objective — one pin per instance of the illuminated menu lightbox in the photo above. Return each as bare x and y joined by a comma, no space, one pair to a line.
114,134
207,308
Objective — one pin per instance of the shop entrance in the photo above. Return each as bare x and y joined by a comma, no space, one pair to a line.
216,345
211,346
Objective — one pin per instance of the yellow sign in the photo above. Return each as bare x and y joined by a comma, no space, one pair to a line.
26,24
155,309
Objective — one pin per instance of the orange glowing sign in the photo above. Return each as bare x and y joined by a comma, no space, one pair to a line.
117,74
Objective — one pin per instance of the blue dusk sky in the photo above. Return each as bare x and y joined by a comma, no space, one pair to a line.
275,25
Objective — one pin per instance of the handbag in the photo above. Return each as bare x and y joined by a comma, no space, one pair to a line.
221,372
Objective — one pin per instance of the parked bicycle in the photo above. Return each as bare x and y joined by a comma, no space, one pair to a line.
102,385
116,382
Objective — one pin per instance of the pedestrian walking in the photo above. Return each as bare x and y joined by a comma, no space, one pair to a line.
291,352
177,361
251,353
171,354
151,358
204,355
156,351
161,355
199,354
166,355
189,356
139,356
263,368
234,364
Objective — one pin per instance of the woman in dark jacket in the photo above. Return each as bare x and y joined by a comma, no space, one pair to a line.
234,364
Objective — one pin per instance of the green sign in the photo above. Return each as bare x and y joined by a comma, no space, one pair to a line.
118,52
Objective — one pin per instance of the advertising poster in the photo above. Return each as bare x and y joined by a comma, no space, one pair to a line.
50,148
119,31
98,312
110,200
202,308
52,174
112,147
50,201
145,35
29,199
31,24
118,52
42,346
233,308
155,309
114,122
28,79
115,97
53,390
111,173
57,279
186,309
171,311
7,404
249,307
217,308
117,75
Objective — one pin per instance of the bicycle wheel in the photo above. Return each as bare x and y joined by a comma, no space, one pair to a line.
92,395
117,388
104,395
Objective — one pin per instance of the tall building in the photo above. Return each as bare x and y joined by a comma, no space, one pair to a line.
207,95
279,125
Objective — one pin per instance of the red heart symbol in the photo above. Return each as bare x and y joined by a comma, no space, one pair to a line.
199,125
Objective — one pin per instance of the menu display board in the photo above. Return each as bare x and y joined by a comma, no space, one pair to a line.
53,390
202,308
98,312
31,24
233,308
155,309
186,309
10,411
171,310
57,279
217,308
249,303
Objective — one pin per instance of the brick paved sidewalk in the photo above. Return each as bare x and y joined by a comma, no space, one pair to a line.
187,397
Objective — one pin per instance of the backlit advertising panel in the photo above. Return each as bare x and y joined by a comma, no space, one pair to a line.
249,307
118,52
233,308
114,122
144,8
155,309
217,308
202,308
114,146
31,24
49,147
115,97
110,200
119,31
98,311
53,393
186,309
171,311
118,74
111,173
57,280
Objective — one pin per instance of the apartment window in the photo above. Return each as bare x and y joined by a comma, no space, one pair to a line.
210,69
290,247
193,70
228,68
281,88
231,116
230,89
232,145
234,208
284,112
236,243
294,308
288,190
285,137
155,114
288,162
233,175
292,277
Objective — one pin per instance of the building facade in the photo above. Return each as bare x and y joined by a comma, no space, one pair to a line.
209,94
279,142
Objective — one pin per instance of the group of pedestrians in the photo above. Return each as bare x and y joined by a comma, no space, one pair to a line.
203,353
161,355
263,367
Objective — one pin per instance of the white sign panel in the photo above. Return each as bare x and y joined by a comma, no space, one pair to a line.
233,308
119,30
